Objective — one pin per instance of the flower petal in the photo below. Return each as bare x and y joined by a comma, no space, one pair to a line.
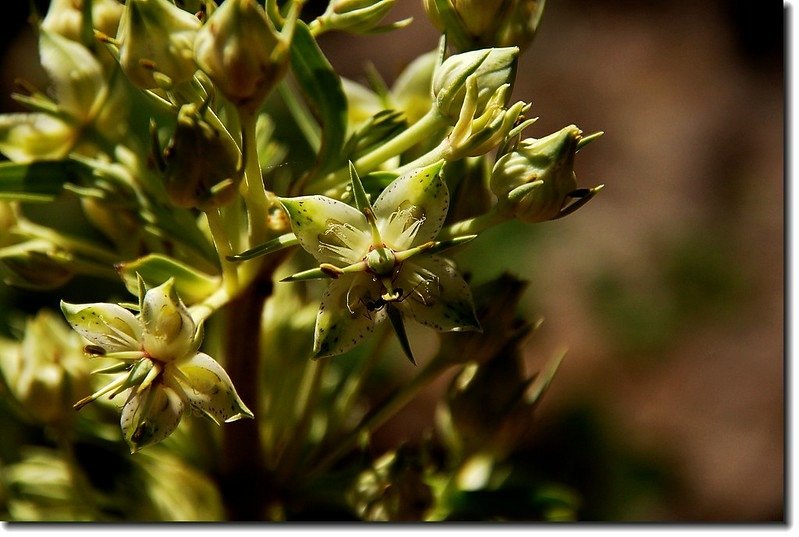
35,136
412,209
330,230
169,330
110,326
344,319
76,75
209,390
150,415
436,295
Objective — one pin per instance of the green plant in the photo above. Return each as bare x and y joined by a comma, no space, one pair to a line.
260,282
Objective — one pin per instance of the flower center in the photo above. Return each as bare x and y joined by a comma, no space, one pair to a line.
381,261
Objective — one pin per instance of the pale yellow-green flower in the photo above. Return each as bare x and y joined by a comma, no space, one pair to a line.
160,366
380,258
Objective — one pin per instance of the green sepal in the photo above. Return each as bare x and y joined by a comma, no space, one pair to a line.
39,181
390,27
269,247
585,140
451,21
395,316
154,269
582,196
322,88
358,192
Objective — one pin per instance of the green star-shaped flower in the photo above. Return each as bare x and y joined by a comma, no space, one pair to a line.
382,261
159,365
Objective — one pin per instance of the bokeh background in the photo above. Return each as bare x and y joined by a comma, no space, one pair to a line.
668,289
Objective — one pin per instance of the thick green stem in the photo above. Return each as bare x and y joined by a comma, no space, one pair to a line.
230,275
256,197
473,226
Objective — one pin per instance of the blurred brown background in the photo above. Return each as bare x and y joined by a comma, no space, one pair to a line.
668,288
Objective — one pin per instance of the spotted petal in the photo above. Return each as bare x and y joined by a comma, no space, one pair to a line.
109,326
150,415
209,390
411,210
436,295
345,317
330,230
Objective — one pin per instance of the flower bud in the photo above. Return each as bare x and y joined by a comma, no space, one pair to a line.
536,180
242,53
356,16
474,24
201,169
491,69
521,23
156,40
65,17
169,330
47,371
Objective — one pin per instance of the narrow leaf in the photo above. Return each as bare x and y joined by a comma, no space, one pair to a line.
276,244
322,88
154,269
361,199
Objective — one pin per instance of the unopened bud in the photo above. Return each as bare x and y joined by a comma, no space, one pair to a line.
156,40
474,24
242,53
201,169
490,68
536,180
65,17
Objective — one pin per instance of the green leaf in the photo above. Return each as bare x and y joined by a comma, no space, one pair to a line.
39,181
154,269
269,247
322,88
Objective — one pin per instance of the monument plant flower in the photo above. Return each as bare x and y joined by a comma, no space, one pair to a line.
386,255
159,365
